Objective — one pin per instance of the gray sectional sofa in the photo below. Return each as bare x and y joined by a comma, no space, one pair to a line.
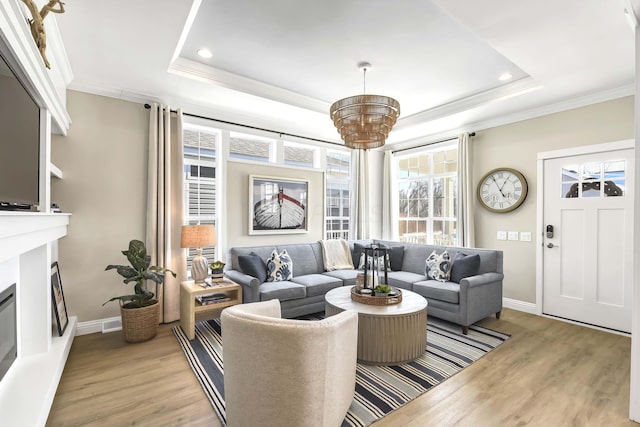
472,299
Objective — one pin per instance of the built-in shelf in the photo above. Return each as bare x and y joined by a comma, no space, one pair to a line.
55,171
29,386
36,377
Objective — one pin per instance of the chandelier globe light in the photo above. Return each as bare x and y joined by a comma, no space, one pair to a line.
364,121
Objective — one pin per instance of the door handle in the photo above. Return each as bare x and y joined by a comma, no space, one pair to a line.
551,245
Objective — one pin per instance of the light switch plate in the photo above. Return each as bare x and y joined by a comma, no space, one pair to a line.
502,235
513,235
525,236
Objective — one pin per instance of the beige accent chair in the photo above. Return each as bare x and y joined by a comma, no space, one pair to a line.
284,372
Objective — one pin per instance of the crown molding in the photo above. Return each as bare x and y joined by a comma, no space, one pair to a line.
46,86
558,107
516,88
195,70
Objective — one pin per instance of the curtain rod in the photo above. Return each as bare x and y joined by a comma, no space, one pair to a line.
147,106
431,143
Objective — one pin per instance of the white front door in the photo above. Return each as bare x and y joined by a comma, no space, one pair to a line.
588,238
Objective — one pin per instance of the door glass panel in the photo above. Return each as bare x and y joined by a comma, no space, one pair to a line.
594,180
614,176
569,190
591,189
570,177
591,171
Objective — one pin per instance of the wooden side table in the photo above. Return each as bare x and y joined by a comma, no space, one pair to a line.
190,307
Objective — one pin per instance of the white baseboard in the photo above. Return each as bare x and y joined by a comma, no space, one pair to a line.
110,324
113,324
514,304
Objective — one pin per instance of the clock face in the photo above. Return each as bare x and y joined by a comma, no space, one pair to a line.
502,190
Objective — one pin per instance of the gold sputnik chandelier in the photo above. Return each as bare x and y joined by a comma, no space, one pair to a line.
364,121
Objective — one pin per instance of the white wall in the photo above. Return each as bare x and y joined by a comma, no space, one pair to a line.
103,159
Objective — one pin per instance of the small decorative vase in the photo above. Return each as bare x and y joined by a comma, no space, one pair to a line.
217,275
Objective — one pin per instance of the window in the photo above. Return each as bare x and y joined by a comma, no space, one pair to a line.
299,155
337,178
428,196
200,183
202,169
250,147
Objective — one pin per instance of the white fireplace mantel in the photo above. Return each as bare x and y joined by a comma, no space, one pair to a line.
27,241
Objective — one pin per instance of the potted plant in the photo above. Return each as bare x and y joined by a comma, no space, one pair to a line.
217,268
139,310
382,290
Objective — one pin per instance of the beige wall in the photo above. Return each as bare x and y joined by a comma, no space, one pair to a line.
237,206
103,160
516,146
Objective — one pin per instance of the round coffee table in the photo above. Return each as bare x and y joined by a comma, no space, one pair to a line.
389,334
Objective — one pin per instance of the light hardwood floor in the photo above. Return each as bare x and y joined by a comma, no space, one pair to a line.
550,373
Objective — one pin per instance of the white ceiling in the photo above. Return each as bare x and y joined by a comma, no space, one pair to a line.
281,63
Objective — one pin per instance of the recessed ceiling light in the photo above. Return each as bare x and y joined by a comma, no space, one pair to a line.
504,77
204,53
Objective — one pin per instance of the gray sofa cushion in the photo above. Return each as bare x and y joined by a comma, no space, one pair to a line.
464,266
317,284
347,276
415,257
253,265
263,252
404,279
307,258
358,251
283,291
442,291
396,253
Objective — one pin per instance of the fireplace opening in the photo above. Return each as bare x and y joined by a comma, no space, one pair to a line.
8,329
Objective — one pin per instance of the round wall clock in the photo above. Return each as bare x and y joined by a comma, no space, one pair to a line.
502,190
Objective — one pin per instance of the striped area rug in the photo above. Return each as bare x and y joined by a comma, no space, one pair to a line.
379,389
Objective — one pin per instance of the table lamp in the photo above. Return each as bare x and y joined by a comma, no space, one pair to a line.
198,236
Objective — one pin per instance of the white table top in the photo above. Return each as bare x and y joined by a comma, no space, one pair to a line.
341,298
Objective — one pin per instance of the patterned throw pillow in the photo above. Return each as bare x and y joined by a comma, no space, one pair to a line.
438,267
379,262
279,267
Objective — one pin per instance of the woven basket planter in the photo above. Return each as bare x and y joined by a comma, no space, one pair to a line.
140,324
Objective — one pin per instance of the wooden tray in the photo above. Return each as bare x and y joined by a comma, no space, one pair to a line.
374,300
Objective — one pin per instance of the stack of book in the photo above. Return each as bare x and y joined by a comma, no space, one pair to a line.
212,298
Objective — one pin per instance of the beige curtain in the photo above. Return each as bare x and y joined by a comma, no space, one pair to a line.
390,198
466,193
165,212
361,197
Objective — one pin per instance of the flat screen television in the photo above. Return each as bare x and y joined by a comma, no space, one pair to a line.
19,143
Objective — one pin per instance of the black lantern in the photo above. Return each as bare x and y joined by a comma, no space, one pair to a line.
375,252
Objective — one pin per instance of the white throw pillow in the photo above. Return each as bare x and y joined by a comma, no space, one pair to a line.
438,266
279,267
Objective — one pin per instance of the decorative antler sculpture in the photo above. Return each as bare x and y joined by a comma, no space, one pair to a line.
37,23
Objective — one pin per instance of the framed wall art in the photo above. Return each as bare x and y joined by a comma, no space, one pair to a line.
278,205
57,298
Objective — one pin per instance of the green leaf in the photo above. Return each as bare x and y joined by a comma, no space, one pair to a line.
125,270
137,255
156,277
